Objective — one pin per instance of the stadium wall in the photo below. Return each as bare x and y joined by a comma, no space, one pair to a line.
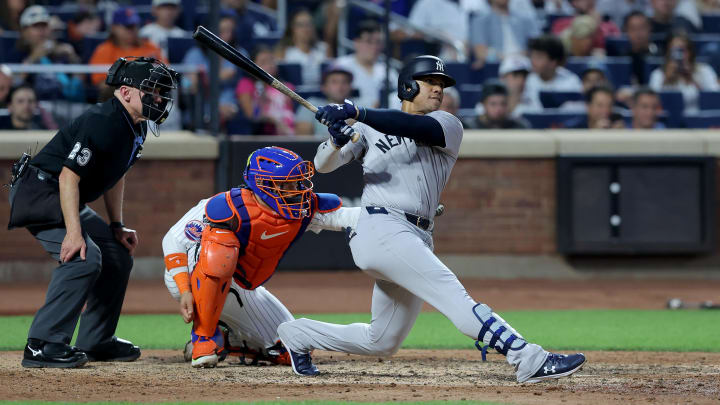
500,202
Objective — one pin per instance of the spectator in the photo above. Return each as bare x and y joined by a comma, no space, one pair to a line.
451,101
513,73
578,38
594,75
249,24
602,28
123,41
637,28
229,73
547,56
600,115
270,111
665,19
85,23
22,108
10,14
680,71
166,13
5,84
368,71
645,109
500,32
496,115
300,45
618,10
443,17
36,46
336,87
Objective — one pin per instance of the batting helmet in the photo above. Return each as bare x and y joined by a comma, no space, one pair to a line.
421,66
281,179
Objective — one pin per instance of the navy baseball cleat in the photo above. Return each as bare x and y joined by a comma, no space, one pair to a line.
40,354
115,350
557,366
302,363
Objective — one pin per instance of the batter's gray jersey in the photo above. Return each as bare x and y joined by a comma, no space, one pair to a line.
399,172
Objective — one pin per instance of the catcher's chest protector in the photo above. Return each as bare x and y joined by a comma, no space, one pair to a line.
264,236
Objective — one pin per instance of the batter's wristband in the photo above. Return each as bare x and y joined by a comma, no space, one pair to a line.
182,280
117,225
362,113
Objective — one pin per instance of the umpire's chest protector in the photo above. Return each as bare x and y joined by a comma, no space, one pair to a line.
264,235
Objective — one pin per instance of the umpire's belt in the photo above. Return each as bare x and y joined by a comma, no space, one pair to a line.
420,222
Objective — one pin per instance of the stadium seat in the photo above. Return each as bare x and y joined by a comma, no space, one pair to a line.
489,71
469,95
703,119
619,69
554,99
178,47
91,42
652,63
551,118
710,100
674,104
7,42
711,23
290,72
617,46
459,71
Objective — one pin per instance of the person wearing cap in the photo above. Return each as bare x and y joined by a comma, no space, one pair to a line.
86,159
496,113
499,32
166,13
123,41
336,87
513,73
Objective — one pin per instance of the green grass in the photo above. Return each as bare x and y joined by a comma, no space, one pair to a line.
659,330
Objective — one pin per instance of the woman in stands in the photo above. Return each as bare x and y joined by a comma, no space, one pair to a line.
300,45
681,72
270,111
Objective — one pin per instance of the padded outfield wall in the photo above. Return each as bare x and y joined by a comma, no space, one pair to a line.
501,202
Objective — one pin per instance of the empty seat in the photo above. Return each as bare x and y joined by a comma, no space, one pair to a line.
290,72
459,71
703,119
711,23
554,99
551,118
674,104
178,47
91,42
710,100
617,46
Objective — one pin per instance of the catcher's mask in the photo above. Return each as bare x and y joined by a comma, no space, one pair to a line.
153,78
281,179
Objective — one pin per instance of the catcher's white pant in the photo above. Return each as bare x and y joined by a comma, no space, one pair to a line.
399,256
252,315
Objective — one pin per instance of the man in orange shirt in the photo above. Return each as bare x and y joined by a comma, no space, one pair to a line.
123,41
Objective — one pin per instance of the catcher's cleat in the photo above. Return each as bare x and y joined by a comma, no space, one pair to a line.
557,366
187,352
205,350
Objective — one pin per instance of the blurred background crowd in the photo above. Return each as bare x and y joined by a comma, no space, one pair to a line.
645,64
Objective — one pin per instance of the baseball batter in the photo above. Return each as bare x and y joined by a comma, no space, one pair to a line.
244,233
407,157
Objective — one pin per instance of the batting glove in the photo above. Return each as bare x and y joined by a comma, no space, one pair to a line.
331,113
340,133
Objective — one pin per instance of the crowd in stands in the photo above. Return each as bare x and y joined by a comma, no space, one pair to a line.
595,64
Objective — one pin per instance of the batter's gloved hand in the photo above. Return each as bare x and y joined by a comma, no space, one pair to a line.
340,133
332,113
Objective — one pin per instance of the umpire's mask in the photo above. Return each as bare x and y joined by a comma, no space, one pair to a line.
153,78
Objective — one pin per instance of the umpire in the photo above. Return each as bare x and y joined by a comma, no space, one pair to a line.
87,159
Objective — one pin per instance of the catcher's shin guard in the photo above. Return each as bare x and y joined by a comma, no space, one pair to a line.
210,283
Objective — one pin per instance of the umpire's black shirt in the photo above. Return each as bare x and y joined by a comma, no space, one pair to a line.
99,146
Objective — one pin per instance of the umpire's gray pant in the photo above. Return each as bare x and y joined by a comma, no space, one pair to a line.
100,281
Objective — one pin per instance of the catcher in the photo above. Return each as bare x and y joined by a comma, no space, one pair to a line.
233,243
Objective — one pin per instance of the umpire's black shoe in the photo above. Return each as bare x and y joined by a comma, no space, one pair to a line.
39,354
558,365
115,350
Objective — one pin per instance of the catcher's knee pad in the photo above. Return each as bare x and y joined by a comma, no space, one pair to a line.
495,332
211,279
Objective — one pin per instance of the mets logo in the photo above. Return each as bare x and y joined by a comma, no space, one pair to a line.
193,230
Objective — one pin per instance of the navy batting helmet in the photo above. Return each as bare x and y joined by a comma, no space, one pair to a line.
421,66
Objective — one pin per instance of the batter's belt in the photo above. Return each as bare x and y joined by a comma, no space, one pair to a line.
421,222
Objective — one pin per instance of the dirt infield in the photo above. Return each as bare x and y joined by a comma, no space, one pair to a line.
609,377
411,375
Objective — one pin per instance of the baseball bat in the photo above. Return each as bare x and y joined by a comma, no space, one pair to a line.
222,48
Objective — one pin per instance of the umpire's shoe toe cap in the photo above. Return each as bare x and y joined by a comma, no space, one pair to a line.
39,354
557,366
115,350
